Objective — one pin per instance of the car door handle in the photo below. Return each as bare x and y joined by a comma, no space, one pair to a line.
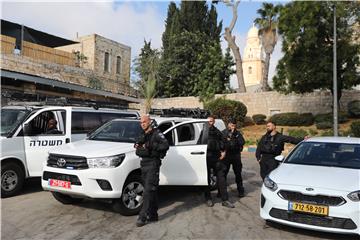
67,140
197,153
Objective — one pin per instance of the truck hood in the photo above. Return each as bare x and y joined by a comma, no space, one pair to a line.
335,178
91,148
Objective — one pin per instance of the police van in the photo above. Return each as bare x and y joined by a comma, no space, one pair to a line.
105,166
26,139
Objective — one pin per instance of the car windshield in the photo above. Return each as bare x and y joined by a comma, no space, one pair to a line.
11,118
117,131
326,154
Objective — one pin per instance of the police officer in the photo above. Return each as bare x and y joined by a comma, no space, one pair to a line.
234,145
215,156
151,147
270,146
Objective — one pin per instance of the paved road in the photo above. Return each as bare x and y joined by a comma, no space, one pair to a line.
37,215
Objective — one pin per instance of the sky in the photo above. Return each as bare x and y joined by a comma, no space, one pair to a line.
127,22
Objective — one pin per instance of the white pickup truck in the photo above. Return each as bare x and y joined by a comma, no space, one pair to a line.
25,142
105,166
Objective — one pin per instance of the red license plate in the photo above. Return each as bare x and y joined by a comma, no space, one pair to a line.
59,183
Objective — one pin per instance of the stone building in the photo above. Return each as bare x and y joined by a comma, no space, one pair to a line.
36,65
253,60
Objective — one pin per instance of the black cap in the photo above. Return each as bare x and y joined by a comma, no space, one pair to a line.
232,120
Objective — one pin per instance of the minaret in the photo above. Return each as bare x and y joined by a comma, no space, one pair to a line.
253,58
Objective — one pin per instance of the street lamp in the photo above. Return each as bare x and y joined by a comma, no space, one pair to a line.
335,89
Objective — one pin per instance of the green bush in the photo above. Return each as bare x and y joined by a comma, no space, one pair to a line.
328,133
355,128
259,119
298,133
227,109
354,108
250,142
324,125
248,121
293,119
313,132
328,117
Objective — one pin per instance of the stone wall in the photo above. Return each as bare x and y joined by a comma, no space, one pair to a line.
268,103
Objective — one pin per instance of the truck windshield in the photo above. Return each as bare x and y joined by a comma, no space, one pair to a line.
11,119
118,131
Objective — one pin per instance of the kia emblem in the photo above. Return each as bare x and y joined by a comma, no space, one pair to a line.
309,189
61,162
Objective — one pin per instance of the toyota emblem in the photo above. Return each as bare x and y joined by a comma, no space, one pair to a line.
309,189
61,162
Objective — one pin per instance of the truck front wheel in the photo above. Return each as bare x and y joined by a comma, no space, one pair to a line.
12,179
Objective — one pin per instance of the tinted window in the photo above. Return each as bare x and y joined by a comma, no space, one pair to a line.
11,118
164,126
40,124
326,154
186,132
118,131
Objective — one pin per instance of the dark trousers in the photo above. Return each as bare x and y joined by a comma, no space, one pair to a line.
234,160
267,164
150,177
219,169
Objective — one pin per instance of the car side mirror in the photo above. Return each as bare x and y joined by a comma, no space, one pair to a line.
26,129
279,158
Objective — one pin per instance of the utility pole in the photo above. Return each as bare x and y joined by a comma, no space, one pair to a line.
335,89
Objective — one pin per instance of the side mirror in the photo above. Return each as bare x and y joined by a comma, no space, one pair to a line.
26,129
279,158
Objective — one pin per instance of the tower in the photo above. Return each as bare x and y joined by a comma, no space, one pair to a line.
253,59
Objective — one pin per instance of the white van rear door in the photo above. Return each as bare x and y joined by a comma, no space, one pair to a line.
38,140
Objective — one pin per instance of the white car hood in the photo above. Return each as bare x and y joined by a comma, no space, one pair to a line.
90,148
341,179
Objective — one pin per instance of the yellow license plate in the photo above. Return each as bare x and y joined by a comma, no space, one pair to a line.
309,208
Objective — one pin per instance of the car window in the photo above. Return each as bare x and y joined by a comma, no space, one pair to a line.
186,133
40,124
165,126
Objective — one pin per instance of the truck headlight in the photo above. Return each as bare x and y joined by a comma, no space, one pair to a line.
270,184
106,162
354,196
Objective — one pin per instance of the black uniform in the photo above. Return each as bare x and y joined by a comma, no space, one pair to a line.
153,147
268,148
234,145
215,145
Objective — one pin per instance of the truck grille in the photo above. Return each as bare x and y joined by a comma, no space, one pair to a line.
317,199
60,176
69,162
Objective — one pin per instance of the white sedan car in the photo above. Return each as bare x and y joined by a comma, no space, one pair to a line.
316,187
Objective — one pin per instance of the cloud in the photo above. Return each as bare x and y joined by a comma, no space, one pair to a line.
123,22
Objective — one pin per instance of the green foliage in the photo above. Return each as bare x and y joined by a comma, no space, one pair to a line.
324,125
307,31
355,128
328,133
250,142
192,63
226,109
328,117
298,133
313,132
293,119
354,108
248,121
95,83
259,119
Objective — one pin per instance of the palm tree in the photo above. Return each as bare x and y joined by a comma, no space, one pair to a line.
267,24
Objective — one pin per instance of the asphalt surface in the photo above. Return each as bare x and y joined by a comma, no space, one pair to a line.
35,214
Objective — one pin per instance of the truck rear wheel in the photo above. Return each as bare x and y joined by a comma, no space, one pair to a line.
12,179
131,200
66,199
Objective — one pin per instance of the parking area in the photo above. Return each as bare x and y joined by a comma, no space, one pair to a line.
35,214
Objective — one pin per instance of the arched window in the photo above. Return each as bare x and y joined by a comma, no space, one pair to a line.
250,70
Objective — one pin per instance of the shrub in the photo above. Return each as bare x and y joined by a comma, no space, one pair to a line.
250,142
328,117
248,121
355,128
259,119
354,108
328,133
226,109
293,119
324,125
298,133
313,132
